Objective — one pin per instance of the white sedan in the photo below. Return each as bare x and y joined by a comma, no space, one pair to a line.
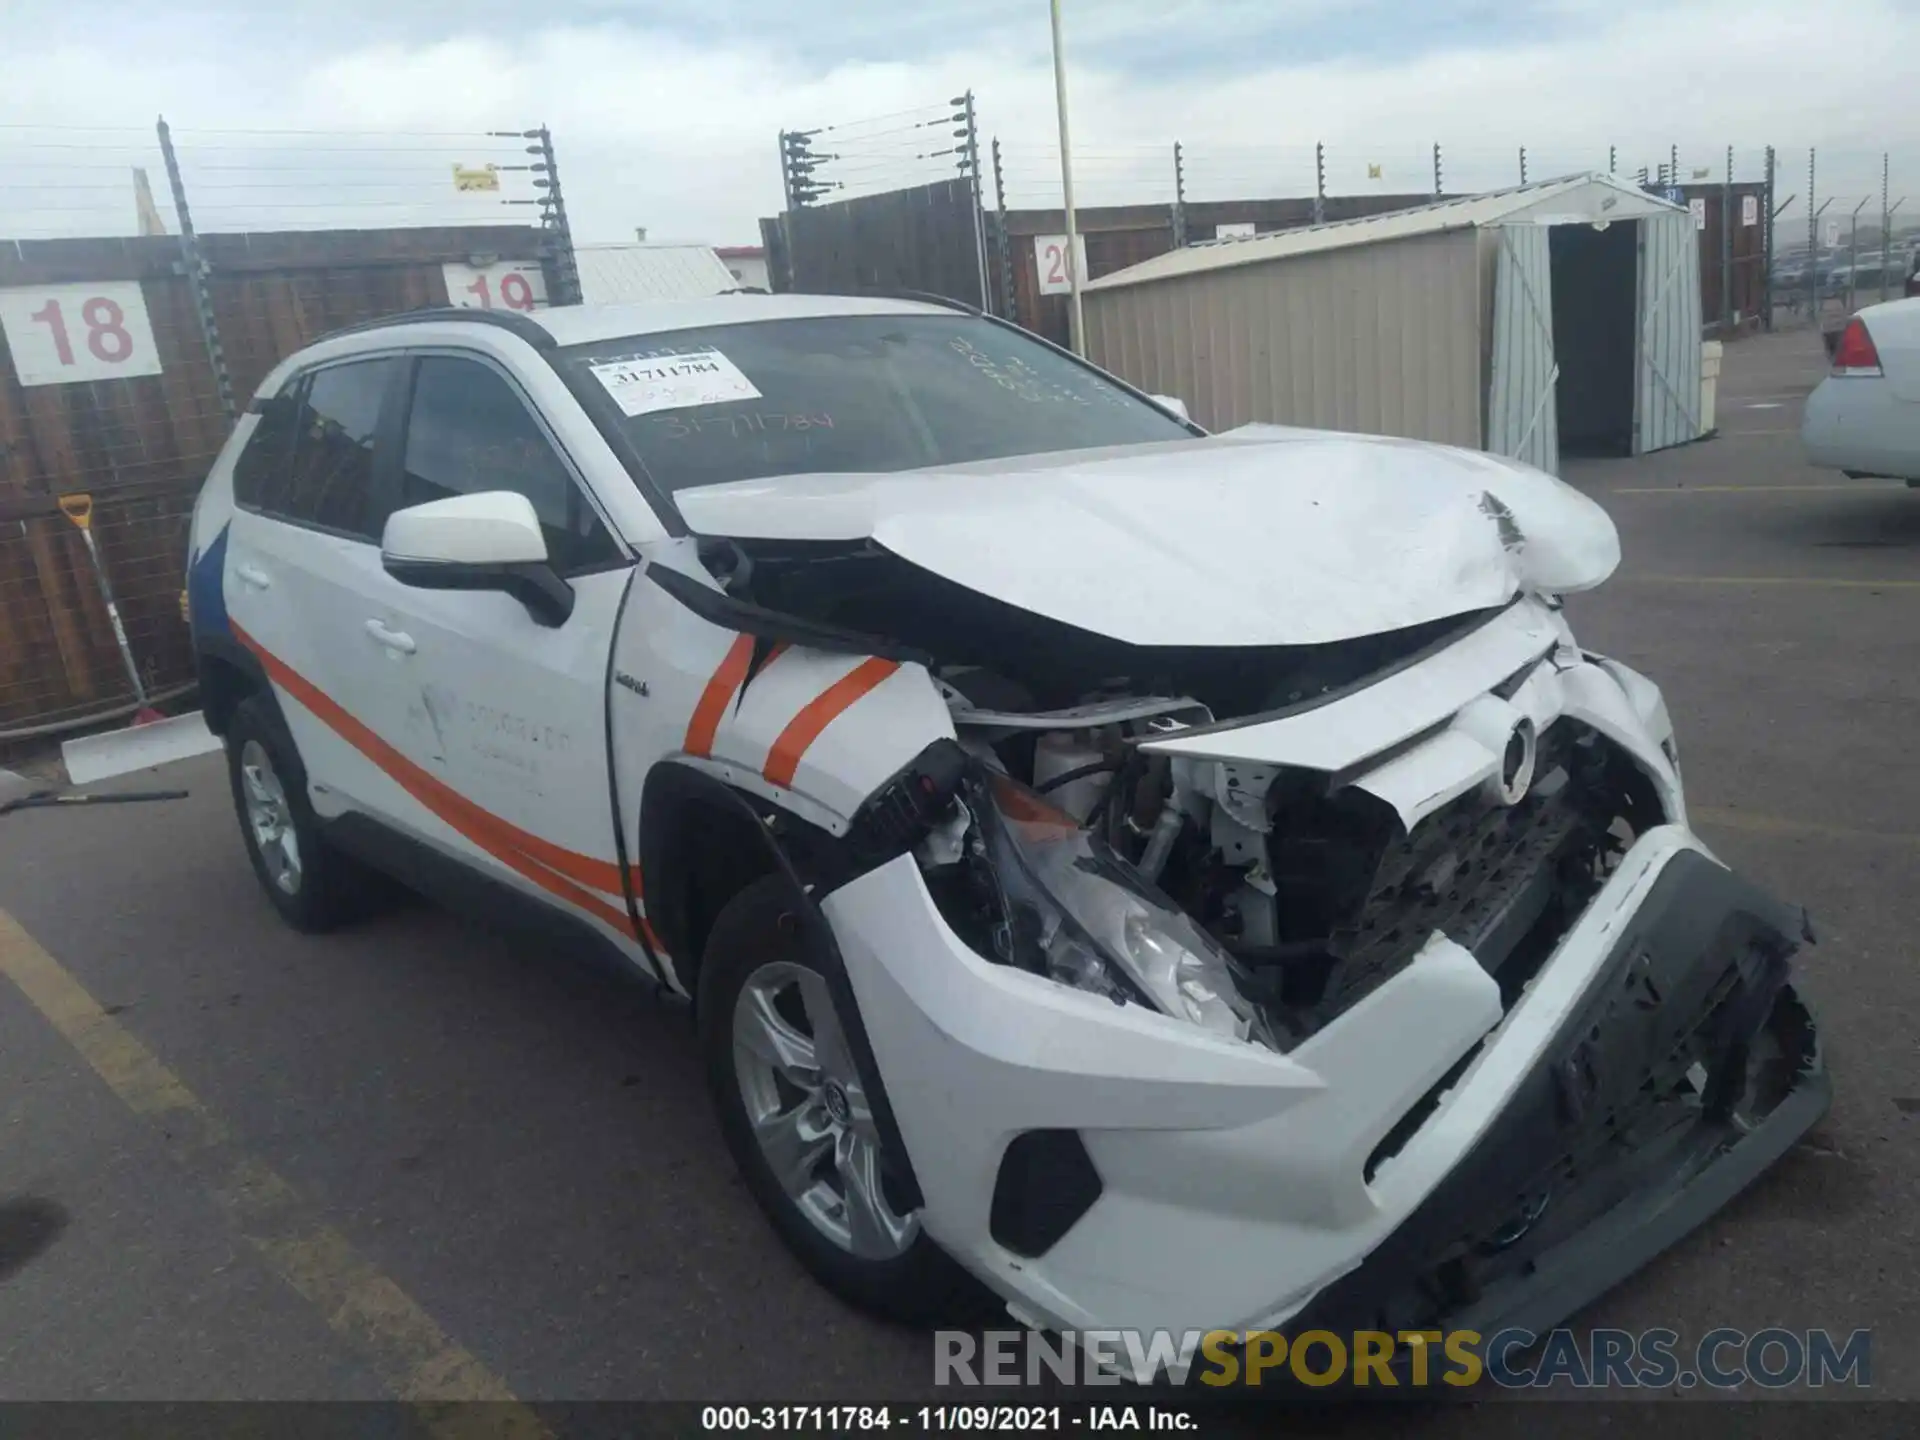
1864,419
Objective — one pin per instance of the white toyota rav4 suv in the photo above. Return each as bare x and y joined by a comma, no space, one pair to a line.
1174,881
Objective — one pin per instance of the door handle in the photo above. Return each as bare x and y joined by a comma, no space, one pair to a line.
395,640
253,575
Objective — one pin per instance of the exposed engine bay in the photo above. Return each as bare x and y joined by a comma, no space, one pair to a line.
1257,900
1312,892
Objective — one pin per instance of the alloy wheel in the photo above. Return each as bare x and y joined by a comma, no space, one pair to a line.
810,1113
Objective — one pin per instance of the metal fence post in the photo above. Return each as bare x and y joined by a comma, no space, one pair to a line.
1003,247
196,271
1438,188
1319,183
557,246
1766,249
1726,248
1886,226
970,163
1813,245
1853,252
1179,197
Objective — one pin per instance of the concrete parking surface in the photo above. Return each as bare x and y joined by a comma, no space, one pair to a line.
420,1158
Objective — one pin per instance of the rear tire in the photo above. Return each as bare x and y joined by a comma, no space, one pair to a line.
786,1090
313,885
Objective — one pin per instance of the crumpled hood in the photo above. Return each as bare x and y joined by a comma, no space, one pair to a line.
1262,536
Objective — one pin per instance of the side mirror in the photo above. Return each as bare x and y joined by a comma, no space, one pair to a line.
489,541
1173,405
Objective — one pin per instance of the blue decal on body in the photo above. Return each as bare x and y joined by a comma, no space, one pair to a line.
206,589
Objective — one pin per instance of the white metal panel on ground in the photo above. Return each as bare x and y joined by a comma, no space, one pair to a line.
1571,199
1380,338
1666,406
1522,421
139,747
610,274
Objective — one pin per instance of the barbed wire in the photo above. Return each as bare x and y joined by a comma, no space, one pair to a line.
54,181
875,154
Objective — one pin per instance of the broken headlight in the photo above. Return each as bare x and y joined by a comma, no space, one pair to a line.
1072,910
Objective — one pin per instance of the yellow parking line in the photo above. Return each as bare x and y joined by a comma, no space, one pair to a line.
452,1393
1755,489
1813,580
1755,824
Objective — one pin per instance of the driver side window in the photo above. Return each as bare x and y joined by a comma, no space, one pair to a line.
469,431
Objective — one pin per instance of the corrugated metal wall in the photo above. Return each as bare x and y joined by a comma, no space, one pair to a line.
1118,236
917,239
1667,366
1378,338
1522,417
616,274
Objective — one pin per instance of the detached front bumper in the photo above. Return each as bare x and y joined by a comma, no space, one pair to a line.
1425,1161
1688,1070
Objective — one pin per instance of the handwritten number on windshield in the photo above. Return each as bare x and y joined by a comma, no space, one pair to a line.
735,427
1015,376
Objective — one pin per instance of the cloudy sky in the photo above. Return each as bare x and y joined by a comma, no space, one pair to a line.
665,115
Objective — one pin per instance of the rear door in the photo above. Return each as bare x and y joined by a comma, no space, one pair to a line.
497,724
1522,419
303,550
1666,409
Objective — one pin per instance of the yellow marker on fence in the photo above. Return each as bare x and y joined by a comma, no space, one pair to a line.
487,177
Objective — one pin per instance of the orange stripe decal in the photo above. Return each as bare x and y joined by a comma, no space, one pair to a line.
783,760
559,871
713,700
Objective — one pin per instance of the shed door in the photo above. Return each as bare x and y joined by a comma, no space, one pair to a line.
1521,419
1666,393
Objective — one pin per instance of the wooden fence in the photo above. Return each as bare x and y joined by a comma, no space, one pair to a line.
107,389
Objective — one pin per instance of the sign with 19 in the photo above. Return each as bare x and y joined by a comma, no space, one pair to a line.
503,285
63,334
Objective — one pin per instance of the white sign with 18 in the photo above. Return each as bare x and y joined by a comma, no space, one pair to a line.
62,334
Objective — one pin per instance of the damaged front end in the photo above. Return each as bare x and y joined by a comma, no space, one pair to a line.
1372,981
1506,1029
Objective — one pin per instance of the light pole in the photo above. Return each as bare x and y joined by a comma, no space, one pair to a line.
1078,332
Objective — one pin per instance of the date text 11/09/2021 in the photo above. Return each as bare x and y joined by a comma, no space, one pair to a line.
924,1419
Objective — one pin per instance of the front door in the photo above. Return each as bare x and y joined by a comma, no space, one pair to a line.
499,722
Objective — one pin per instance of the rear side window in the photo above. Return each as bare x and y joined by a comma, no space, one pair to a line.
469,431
330,481
260,472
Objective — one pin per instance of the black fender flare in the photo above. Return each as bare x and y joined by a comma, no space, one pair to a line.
676,797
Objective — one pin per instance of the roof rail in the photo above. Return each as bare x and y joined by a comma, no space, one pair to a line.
531,331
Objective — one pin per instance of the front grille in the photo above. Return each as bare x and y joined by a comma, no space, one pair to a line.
1481,873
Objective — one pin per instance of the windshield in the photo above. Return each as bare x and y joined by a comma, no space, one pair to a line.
854,393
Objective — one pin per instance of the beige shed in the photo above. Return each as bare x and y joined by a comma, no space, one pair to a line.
1558,316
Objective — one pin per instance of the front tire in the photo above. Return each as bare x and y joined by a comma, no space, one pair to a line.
799,1121
313,886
